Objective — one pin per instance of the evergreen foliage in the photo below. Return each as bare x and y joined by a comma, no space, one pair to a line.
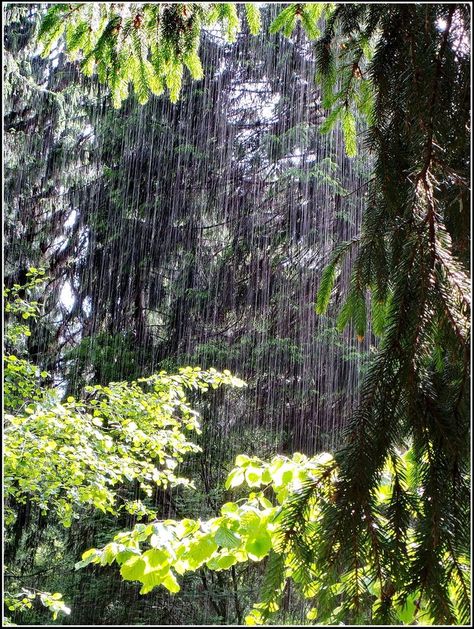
415,392
147,45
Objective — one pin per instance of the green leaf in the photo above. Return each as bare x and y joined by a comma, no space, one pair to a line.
349,132
170,583
312,614
259,546
87,557
360,315
309,22
174,79
253,17
200,551
226,538
109,554
242,460
193,63
226,561
346,313
51,19
330,120
286,21
157,558
229,507
325,288
235,478
133,569
253,476
378,312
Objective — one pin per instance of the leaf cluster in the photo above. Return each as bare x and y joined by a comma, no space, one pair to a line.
150,44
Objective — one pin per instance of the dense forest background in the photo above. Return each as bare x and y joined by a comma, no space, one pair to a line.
174,234
191,233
